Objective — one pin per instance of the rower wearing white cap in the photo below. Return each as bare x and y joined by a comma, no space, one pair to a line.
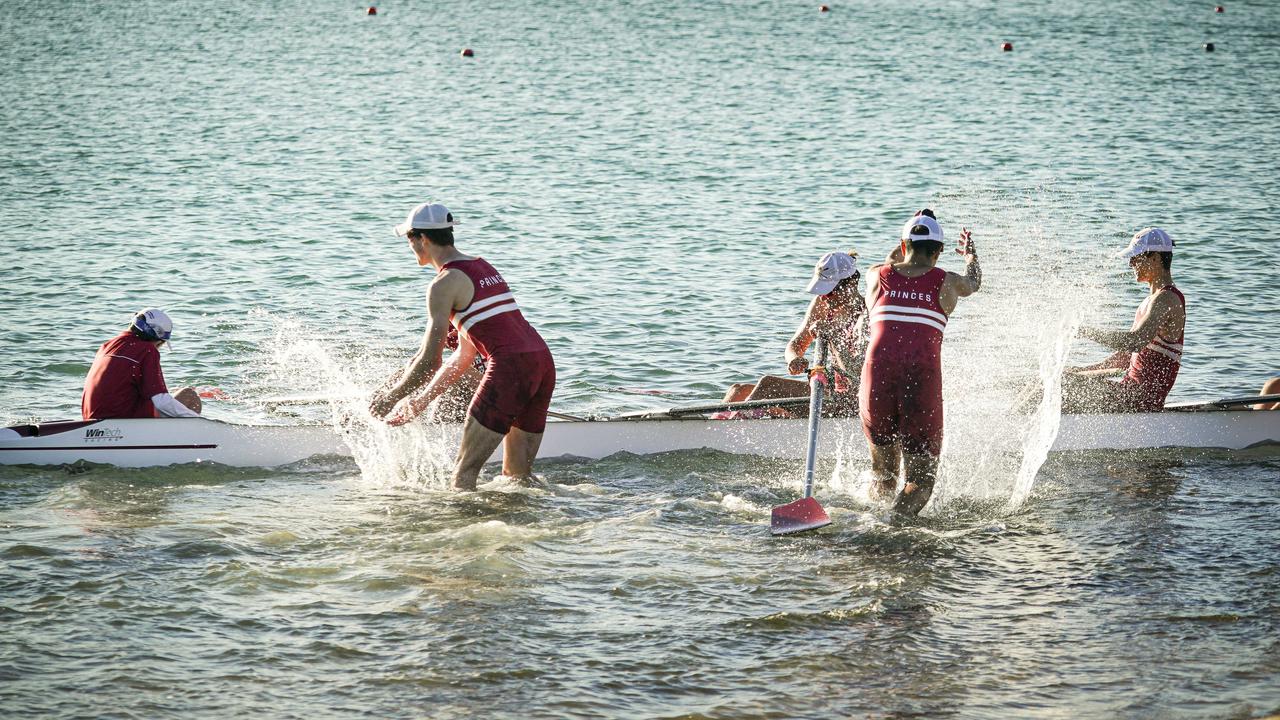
125,380
1149,353
901,394
510,404
839,315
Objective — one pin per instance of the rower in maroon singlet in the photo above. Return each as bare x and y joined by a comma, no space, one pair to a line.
125,380
901,392
1149,354
510,404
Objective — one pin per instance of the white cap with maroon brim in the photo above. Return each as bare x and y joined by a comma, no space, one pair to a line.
427,216
830,270
1152,239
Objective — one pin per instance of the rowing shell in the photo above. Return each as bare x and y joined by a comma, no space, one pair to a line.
151,442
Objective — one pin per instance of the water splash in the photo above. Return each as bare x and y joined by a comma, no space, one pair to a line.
419,455
1007,342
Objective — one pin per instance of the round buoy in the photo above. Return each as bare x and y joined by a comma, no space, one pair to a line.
466,52
1007,47
823,8
1219,9
371,11
1208,47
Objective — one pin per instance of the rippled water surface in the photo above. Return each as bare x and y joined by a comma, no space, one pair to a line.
655,180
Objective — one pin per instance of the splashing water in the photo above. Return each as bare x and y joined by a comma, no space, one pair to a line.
418,455
1007,342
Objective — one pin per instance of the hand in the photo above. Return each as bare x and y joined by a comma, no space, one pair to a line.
381,403
895,256
966,247
398,418
797,366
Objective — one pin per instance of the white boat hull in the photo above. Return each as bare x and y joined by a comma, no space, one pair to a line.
147,442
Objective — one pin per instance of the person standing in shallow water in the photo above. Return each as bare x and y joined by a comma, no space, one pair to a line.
1149,354
510,405
901,391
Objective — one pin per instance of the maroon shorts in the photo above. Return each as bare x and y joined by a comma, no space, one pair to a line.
515,392
901,403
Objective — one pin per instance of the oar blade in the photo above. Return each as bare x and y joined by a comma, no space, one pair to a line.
798,516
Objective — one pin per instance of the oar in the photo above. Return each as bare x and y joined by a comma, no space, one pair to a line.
715,407
806,513
1224,403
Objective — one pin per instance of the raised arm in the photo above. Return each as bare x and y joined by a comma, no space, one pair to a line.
969,283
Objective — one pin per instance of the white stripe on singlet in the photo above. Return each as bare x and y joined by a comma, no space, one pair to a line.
122,357
1173,351
899,313
506,302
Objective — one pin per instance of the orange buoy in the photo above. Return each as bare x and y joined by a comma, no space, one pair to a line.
467,52
1007,47
371,11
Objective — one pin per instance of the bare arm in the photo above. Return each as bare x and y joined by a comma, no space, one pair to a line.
459,363
423,365
1144,330
801,340
969,283
1115,361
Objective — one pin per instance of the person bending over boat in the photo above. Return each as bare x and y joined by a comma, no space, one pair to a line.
901,392
838,314
125,380
1149,354
510,404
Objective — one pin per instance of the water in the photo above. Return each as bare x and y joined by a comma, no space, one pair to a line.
655,181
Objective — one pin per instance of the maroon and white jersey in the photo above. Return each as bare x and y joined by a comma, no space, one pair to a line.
906,314
1155,367
492,322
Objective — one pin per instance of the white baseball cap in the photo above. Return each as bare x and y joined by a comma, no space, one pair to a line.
830,270
427,216
1151,239
153,324
922,227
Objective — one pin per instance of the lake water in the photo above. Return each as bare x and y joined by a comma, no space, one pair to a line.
655,181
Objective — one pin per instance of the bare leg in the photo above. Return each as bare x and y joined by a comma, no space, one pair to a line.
772,387
190,398
1270,387
921,472
518,453
738,392
478,443
885,462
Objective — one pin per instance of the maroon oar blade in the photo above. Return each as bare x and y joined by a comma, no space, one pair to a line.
798,516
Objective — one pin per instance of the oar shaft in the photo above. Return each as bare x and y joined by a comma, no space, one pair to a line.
817,382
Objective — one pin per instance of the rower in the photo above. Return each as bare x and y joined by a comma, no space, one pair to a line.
901,393
510,404
838,314
125,380
1149,354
